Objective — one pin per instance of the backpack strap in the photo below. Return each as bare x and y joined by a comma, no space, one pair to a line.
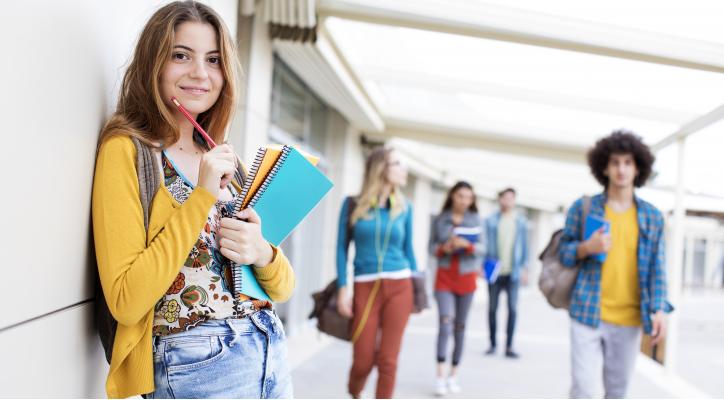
149,179
240,174
351,205
586,211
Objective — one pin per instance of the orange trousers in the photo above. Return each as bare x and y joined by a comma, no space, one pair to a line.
381,338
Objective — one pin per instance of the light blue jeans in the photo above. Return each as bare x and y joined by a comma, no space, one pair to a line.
234,358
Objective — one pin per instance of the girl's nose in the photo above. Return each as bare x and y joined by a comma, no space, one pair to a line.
198,71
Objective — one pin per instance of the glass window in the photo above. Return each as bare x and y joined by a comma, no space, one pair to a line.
297,115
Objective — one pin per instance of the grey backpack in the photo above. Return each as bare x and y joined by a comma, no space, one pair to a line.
556,281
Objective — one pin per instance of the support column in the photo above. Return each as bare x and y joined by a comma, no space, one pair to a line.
710,261
688,267
422,209
250,128
676,260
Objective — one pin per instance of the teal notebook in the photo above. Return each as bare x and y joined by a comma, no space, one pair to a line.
289,193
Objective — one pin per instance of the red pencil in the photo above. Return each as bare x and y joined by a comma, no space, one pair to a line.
193,121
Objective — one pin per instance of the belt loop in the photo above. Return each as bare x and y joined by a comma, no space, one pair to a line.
237,335
154,344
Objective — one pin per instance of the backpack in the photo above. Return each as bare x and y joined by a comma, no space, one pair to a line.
149,182
556,281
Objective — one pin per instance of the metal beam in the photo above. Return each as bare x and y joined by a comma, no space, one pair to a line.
692,127
455,85
481,139
531,28
321,67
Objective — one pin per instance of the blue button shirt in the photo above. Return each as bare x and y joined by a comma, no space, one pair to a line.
586,297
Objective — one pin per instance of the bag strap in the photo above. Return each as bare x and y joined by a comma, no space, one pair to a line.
381,250
586,211
149,179
351,205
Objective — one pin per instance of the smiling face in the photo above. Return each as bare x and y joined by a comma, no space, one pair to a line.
194,73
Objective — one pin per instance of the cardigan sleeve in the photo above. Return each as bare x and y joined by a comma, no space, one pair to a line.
134,274
277,278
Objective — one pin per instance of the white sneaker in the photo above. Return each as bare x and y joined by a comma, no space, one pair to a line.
452,385
440,387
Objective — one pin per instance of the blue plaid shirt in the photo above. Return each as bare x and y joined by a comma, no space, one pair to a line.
586,297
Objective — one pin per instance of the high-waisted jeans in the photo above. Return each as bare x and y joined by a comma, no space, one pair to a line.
233,358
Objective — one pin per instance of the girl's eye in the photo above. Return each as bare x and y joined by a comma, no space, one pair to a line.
180,56
214,60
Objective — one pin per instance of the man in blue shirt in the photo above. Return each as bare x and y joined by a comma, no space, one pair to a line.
507,233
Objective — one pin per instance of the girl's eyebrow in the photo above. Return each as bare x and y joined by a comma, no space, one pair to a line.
192,50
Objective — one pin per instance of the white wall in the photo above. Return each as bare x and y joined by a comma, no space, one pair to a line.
347,160
250,129
62,65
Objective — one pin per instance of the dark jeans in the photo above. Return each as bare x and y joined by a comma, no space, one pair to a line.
511,288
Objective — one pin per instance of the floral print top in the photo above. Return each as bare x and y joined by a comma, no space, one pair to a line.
202,288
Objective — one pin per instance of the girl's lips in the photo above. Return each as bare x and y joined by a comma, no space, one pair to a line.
194,90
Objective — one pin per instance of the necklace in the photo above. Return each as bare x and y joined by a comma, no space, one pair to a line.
381,244
195,151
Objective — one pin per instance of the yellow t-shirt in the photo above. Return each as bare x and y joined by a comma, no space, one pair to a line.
620,296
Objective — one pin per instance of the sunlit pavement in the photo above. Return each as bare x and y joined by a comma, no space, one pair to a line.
321,364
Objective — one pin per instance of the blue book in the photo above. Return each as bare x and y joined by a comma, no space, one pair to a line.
594,223
288,194
470,233
491,268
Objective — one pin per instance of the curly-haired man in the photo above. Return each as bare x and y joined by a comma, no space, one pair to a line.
616,295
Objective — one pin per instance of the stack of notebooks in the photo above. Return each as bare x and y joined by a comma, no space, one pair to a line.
283,187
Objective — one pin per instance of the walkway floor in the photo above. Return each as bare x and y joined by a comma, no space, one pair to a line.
321,364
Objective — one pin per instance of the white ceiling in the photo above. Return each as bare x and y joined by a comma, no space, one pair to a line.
580,71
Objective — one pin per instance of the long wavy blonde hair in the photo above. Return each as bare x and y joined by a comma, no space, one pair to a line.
141,111
375,178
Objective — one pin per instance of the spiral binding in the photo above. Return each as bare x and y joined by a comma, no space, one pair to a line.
236,269
239,202
270,177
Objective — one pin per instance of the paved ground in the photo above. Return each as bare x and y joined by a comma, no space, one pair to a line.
321,364
701,341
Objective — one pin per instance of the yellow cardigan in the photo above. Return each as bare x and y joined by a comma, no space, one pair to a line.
136,269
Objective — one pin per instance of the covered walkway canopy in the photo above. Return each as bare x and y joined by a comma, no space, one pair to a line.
516,91
513,92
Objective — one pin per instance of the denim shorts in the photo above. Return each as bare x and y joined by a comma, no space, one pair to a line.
233,358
